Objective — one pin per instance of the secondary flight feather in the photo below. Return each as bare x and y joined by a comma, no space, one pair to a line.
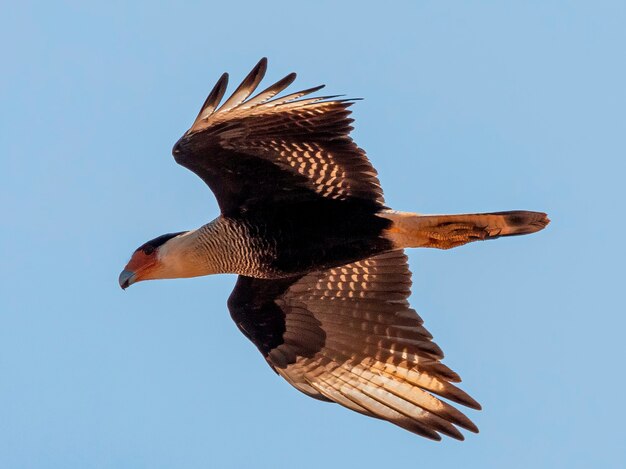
323,279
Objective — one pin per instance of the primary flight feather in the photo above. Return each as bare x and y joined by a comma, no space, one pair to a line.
323,278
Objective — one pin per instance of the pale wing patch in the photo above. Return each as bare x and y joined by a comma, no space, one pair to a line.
329,175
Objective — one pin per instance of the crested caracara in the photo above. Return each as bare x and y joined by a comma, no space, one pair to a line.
323,278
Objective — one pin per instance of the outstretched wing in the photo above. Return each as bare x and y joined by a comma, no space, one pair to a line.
348,335
265,150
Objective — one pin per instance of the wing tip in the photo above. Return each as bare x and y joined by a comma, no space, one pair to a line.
261,66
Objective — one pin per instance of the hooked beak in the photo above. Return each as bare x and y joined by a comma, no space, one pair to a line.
127,278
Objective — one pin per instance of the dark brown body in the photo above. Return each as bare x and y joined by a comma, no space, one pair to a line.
292,239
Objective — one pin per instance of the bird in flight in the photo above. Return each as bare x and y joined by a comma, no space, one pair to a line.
323,278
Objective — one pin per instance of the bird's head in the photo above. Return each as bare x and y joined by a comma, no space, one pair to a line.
151,260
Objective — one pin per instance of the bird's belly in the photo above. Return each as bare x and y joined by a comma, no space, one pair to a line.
286,251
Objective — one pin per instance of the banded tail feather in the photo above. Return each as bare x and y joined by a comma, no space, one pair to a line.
410,230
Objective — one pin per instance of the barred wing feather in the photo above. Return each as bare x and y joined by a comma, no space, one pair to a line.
267,150
348,335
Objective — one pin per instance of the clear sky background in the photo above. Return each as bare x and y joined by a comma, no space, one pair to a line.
469,106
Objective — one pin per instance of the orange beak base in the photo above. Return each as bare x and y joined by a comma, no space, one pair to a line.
137,268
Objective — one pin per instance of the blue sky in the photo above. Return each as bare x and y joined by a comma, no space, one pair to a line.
482,107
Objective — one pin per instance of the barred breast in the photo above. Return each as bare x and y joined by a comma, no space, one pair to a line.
234,246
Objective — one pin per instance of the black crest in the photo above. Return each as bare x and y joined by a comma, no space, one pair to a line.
152,245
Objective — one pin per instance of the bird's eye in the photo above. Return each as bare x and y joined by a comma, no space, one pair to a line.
148,250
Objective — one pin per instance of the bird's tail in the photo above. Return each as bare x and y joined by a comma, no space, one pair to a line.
410,230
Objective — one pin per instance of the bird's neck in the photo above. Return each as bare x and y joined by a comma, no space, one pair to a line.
215,248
